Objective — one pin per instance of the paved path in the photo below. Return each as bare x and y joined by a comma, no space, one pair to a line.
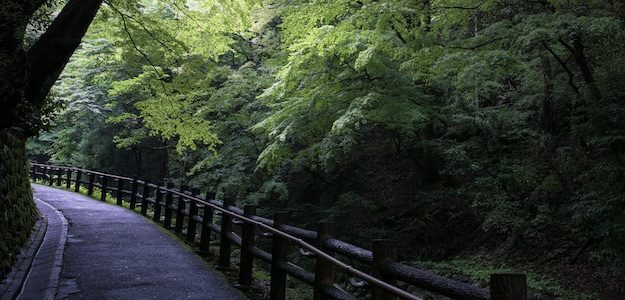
113,253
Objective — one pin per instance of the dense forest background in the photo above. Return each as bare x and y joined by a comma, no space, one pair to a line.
479,133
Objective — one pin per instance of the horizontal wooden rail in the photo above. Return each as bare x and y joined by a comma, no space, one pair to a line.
192,217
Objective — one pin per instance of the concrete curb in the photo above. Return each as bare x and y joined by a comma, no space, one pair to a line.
13,283
36,275
52,260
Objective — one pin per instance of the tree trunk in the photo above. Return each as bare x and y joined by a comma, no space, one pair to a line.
27,77
49,55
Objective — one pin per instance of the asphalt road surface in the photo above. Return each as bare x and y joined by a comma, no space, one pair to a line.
113,253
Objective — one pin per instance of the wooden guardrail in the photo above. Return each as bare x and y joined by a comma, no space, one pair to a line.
192,216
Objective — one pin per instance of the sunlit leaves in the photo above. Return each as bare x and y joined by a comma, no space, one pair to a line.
166,117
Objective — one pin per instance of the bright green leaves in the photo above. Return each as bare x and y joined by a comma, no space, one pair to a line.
342,79
364,57
169,117
169,50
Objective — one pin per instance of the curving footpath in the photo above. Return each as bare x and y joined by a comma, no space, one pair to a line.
109,252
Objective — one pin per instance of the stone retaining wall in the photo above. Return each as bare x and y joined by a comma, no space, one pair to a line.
17,209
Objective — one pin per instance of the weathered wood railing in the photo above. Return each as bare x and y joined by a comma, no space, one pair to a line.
193,215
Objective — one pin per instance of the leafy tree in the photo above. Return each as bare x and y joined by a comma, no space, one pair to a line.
497,123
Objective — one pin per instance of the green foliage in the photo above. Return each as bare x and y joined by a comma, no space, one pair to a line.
498,123
475,270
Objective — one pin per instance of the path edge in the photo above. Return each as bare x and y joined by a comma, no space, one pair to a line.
12,285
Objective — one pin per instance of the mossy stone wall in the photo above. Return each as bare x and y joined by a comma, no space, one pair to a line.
17,208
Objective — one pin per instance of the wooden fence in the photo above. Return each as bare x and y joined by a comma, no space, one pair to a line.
192,217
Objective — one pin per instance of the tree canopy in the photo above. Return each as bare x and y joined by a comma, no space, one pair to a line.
465,127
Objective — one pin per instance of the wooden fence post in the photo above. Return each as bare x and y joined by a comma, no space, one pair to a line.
324,270
133,193
78,178
207,218
144,197
169,199
510,286
226,228
383,251
120,191
248,236
180,207
103,188
59,177
192,223
51,174
44,172
91,182
158,198
279,245
68,181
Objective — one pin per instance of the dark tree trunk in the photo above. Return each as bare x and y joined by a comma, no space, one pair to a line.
14,16
53,50
584,67
26,77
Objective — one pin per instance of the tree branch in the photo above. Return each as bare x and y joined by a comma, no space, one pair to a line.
582,62
564,66
134,44
176,56
49,55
